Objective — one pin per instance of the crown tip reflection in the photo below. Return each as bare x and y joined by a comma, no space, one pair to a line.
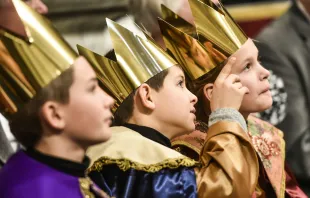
207,4
109,21
112,25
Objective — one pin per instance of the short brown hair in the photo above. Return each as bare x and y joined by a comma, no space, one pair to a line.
125,110
196,87
26,124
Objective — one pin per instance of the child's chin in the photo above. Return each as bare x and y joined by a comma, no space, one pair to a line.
191,128
265,106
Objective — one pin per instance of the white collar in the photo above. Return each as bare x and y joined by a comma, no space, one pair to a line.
6,128
7,132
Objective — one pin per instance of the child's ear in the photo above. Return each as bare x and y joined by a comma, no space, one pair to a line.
145,95
207,91
52,114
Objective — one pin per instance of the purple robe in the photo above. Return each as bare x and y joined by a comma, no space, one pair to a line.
25,177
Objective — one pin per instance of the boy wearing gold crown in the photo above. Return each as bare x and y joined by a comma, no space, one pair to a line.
218,38
55,107
154,106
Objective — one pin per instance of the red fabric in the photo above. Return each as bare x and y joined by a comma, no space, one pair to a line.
292,189
252,28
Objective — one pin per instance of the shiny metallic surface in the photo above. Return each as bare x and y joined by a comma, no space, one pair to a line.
140,59
196,59
177,21
206,45
215,25
110,75
180,37
40,57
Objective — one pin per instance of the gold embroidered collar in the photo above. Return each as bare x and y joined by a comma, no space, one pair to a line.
128,149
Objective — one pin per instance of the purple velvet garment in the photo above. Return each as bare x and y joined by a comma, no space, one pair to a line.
25,177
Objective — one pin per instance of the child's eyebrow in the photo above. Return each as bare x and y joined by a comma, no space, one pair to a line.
93,79
180,76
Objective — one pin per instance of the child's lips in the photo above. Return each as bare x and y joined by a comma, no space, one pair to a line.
267,89
108,120
193,111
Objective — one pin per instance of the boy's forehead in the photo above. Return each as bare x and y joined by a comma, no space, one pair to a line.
247,51
82,69
176,71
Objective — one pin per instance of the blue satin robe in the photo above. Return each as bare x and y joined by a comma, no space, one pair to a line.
166,183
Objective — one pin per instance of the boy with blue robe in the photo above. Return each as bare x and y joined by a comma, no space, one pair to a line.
154,106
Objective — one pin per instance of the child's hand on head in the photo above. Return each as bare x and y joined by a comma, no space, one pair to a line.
227,90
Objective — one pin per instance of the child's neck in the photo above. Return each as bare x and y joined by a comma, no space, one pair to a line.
60,147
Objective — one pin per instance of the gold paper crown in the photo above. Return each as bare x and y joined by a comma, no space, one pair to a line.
197,58
199,55
138,60
110,76
214,24
39,52
177,21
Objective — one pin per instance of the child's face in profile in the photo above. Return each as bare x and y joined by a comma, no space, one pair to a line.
254,76
87,115
175,104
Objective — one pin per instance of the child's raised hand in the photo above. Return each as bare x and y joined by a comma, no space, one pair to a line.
227,90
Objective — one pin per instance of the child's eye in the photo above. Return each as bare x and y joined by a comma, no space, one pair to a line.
181,83
247,67
93,88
